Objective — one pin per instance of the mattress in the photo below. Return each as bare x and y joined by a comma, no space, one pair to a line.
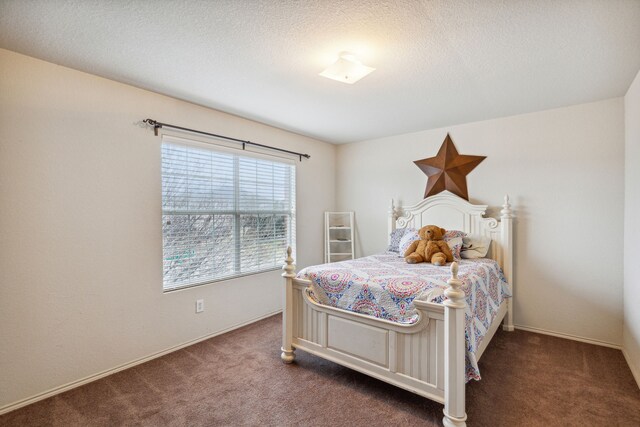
385,286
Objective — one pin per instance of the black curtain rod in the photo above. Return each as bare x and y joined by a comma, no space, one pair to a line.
157,125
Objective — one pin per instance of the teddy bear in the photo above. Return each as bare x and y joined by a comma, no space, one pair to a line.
431,248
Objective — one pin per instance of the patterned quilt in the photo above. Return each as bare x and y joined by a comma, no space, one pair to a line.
385,286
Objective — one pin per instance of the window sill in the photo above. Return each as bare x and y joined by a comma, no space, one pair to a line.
221,279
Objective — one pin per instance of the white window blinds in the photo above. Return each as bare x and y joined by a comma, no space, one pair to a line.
223,214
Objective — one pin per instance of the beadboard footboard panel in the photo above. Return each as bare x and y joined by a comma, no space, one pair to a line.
408,356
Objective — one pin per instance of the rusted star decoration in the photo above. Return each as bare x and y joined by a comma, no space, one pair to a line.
448,170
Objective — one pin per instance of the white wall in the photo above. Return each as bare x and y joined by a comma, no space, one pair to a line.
80,230
631,330
562,168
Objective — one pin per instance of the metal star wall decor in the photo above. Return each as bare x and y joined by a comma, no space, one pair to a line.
448,170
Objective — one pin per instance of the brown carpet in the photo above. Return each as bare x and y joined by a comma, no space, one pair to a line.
238,379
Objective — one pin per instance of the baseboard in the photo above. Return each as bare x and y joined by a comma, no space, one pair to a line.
634,369
60,389
569,336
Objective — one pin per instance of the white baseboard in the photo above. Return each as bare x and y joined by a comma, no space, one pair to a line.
60,389
569,336
634,369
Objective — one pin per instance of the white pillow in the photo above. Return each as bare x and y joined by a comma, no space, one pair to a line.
475,246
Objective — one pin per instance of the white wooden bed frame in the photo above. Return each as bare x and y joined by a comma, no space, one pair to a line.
427,357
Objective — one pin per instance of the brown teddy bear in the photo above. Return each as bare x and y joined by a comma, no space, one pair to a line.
432,248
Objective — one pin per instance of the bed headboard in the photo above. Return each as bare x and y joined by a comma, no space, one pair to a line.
451,212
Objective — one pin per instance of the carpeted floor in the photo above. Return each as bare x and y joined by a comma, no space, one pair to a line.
237,379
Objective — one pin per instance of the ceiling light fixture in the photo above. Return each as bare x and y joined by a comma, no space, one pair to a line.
347,69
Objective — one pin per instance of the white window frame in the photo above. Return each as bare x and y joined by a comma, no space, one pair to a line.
237,213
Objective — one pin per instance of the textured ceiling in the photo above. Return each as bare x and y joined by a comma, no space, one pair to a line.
438,63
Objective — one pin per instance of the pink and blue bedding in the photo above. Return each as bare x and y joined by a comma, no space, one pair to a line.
385,286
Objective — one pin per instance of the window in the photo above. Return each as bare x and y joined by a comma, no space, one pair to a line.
223,214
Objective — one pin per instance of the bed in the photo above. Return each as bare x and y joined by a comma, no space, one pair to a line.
424,352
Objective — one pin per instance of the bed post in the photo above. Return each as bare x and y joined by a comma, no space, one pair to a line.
391,221
289,274
454,353
506,217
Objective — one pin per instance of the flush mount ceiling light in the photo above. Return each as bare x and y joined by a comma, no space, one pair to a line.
347,69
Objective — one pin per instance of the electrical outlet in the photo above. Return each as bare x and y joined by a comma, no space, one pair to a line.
199,306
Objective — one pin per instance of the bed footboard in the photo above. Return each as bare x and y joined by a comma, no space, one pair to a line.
426,358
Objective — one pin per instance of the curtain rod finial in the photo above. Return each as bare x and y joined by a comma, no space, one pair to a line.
153,123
